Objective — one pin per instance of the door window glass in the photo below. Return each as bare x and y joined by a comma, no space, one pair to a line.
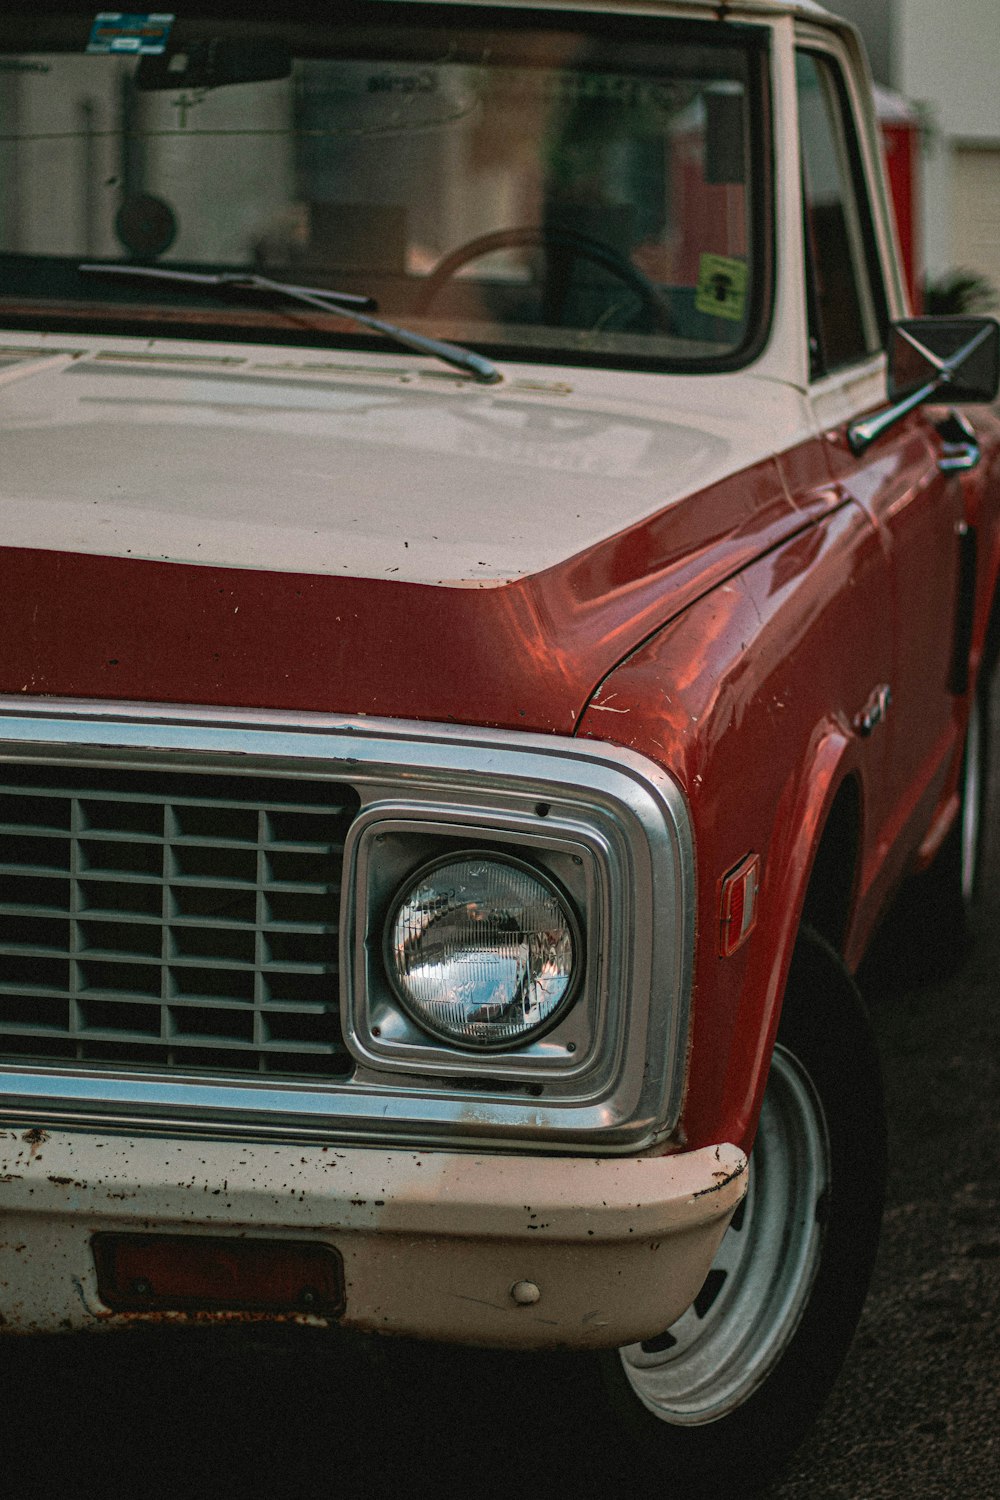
847,309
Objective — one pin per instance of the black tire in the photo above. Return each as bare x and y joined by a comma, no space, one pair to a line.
721,1410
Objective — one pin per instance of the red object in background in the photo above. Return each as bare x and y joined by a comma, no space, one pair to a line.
899,127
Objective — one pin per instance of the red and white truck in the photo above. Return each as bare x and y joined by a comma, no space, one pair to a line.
481,646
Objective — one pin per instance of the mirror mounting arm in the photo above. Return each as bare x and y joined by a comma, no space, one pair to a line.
860,435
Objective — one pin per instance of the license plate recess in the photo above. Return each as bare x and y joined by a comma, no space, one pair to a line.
217,1273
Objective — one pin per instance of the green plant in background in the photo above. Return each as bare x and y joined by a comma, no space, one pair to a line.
960,291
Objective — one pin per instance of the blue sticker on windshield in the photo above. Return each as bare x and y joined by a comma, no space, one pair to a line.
123,31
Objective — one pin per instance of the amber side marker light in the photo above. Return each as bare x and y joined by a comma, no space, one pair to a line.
152,1273
738,905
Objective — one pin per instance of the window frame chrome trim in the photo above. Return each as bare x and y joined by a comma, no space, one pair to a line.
628,1101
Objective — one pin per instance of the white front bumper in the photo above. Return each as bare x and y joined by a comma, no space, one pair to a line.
432,1242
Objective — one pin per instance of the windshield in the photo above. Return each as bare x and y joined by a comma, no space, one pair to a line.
528,184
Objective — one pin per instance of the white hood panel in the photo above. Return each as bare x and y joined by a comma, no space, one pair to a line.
250,459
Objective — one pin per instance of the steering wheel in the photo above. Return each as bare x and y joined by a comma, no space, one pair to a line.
562,247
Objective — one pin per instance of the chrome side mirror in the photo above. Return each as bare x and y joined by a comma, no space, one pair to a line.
948,359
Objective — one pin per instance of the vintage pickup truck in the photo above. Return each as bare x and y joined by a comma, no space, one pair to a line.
481,645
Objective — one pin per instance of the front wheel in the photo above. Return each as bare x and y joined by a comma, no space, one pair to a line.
724,1395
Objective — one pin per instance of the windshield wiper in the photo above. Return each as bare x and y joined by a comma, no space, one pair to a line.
346,304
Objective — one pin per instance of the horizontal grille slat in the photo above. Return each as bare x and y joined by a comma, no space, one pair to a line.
181,920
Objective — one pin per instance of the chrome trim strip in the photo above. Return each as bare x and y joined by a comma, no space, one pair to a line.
625,808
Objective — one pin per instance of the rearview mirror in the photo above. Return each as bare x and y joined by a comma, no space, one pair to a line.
213,64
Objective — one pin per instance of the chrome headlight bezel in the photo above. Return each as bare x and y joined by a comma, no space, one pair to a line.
391,843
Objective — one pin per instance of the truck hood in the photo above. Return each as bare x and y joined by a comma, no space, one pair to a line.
274,528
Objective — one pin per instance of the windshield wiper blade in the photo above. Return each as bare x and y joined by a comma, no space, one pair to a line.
345,304
238,280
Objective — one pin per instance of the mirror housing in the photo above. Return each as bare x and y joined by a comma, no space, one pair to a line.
962,354
213,64
956,360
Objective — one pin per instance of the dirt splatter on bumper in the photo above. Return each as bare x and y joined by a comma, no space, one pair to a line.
519,1251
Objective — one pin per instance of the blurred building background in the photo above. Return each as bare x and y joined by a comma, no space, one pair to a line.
944,57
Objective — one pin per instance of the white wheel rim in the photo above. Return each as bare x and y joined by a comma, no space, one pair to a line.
724,1346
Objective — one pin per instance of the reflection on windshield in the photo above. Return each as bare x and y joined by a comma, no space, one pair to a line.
550,194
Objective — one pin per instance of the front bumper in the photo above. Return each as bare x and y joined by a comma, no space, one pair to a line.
432,1242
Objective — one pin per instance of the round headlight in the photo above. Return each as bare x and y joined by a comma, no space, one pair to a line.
482,951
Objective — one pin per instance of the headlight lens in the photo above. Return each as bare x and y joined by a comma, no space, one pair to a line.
483,952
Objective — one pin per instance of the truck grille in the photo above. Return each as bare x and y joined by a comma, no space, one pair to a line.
182,921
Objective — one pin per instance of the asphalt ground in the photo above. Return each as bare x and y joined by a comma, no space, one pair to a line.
915,1415
916,1412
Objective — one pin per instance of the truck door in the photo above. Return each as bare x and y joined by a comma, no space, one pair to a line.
916,510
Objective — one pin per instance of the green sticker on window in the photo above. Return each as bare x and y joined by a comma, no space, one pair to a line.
722,287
